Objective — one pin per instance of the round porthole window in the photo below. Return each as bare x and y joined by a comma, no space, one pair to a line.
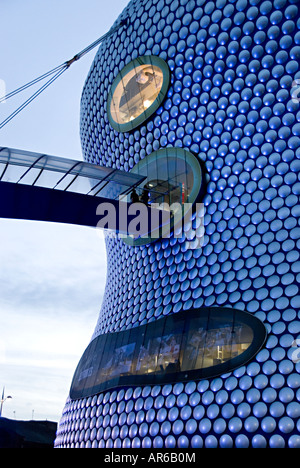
137,92
173,183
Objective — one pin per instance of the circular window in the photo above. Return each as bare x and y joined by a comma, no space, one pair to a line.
173,183
137,92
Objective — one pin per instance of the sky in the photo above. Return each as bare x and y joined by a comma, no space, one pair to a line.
52,276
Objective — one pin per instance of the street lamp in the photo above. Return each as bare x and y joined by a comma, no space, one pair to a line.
3,399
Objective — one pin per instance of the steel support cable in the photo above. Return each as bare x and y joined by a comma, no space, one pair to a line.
31,83
29,100
58,71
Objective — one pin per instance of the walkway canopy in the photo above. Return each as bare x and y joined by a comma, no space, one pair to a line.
54,189
49,188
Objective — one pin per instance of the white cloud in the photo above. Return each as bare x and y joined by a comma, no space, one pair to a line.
52,279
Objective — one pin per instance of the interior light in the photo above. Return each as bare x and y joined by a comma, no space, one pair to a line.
148,364
138,90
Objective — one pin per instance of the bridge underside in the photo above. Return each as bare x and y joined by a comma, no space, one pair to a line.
40,187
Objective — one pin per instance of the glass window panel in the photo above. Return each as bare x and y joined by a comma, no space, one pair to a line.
57,164
242,338
77,184
169,359
193,344
90,371
210,355
64,181
218,347
95,186
123,354
110,190
173,177
48,179
4,155
108,357
13,173
97,361
147,360
84,370
136,336
21,158
2,169
137,92
124,178
92,171
30,176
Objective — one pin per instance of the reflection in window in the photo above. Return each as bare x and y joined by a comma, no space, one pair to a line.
173,177
170,176
212,344
160,355
137,92
194,344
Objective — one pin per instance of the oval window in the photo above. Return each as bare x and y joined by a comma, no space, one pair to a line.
190,345
174,181
137,92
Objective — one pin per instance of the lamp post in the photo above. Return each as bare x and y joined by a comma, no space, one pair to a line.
3,399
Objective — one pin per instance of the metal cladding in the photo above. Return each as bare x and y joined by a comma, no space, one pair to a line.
232,101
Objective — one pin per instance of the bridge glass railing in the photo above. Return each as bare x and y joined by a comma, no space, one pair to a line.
24,167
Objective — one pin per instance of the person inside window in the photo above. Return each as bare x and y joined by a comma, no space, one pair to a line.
134,196
145,197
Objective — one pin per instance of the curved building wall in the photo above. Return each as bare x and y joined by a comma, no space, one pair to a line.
230,102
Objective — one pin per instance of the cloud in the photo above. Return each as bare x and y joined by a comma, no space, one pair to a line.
52,280
50,266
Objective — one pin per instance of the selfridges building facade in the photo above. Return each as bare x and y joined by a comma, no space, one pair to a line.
198,347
